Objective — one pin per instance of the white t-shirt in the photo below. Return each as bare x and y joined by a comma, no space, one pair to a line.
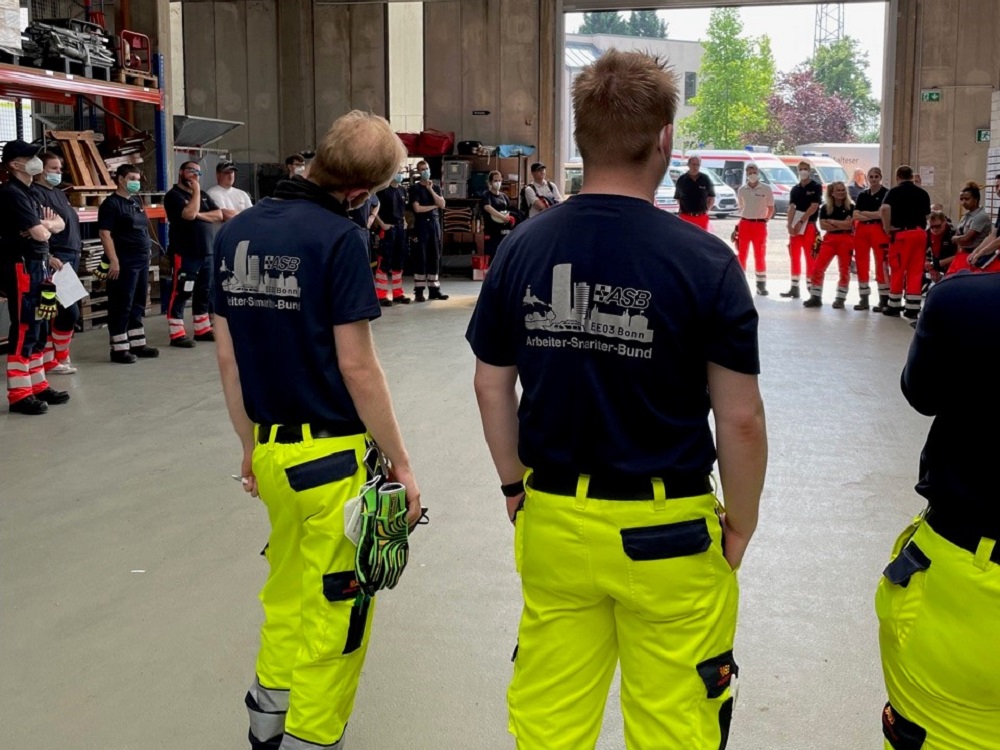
754,201
534,191
231,198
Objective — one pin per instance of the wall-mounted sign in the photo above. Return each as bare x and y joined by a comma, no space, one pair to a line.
983,135
480,112
926,176
930,95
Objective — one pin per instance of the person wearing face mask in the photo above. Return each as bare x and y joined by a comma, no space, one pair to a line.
497,220
295,166
194,219
605,335
25,263
756,202
365,216
391,220
427,204
123,228
803,208
870,240
293,302
66,246
904,212
836,219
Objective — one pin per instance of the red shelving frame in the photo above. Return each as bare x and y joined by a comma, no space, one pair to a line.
59,88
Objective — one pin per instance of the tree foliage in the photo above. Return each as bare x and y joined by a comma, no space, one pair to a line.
610,22
646,23
801,111
842,69
734,83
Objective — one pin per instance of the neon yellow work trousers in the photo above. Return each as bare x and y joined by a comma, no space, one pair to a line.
939,634
315,632
643,582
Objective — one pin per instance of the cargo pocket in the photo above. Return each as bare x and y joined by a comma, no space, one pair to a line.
717,673
900,732
320,471
669,574
343,587
900,592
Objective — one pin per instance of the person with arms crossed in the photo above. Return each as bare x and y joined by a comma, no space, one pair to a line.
427,205
540,193
497,219
870,239
756,201
230,200
304,388
607,301
836,219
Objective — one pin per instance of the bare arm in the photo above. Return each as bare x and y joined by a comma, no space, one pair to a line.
190,211
233,392
109,245
885,213
497,397
990,245
52,221
212,217
437,197
228,213
500,216
39,233
741,435
369,391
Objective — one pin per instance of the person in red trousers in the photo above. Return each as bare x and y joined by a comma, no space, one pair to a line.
870,240
904,218
836,219
803,206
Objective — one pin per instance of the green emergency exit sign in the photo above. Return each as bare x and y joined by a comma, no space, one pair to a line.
930,95
983,135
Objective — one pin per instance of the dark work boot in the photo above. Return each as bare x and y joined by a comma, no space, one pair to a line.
838,304
813,301
863,304
145,352
911,314
30,405
762,288
418,295
123,357
883,303
793,293
51,396
435,293
892,312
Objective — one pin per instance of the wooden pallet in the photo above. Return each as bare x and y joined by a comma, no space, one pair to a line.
135,78
81,199
86,166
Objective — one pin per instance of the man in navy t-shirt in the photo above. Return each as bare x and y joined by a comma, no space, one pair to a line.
626,327
293,300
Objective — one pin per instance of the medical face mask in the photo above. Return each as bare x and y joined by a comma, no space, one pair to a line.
425,174
300,169
132,186
34,166
753,179
804,174
53,178
496,185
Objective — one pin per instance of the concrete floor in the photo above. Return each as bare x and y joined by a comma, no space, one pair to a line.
129,559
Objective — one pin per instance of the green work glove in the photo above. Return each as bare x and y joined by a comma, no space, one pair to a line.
383,547
47,306
101,272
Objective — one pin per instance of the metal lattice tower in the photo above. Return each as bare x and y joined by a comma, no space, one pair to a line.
829,24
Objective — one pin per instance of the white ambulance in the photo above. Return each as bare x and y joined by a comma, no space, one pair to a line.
730,164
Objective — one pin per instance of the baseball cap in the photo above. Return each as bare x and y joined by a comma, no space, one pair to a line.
537,165
225,165
17,149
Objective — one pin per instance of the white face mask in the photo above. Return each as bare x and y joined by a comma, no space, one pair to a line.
752,178
300,169
34,166
496,185
804,174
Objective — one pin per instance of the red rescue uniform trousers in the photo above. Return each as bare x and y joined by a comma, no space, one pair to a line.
699,220
907,251
753,233
801,246
871,239
839,246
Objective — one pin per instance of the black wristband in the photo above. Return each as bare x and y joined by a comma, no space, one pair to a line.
513,489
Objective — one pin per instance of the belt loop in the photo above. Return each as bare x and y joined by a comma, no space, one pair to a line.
582,487
256,434
272,434
307,436
984,552
659,494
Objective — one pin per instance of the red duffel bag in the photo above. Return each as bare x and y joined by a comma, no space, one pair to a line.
412,143
436,143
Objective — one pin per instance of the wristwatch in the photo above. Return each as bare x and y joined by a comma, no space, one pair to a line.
513,489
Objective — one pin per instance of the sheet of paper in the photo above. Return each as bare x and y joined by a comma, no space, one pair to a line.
796,218
69,289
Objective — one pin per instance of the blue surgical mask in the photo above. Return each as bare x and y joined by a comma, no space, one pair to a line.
425,174
132,186
53,178
398,178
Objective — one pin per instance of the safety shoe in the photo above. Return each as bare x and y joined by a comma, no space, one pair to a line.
418,296
210,336
911,314
862,305
435,293
913,324
883,303
123,357
401,300
63,368
762,290
30,406
792,293
813,301
51,396
183,343
892,312
838,304
145,352
385,302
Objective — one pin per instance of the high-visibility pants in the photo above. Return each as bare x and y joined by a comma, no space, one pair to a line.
906,267
801,246
22,285
753,233
316,623
869,240
699,220
938,641
643,583
841,247
192,280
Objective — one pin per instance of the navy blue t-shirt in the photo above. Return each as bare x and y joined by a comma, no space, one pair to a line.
392,204
126,219
611,309
287,272
65,245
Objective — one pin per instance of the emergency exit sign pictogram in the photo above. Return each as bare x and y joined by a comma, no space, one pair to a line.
930,95
983,135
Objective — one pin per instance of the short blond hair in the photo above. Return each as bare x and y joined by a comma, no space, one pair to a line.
360,150
620,103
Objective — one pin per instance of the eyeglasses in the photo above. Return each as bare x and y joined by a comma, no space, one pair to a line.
193,171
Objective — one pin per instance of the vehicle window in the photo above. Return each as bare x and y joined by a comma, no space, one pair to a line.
779,175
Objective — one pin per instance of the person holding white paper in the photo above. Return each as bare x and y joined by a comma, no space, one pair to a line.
66,246
123,228
803,209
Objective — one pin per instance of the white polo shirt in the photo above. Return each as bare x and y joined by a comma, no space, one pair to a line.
754,201
232,199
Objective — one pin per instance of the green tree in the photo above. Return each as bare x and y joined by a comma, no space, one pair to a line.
735,81
842,69
646,23
610,22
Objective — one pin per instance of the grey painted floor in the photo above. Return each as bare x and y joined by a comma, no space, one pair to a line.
133,475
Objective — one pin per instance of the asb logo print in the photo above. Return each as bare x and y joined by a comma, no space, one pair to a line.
249,285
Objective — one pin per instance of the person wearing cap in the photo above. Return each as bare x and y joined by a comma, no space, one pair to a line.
25,228
293,301
695,193
540,193
66,246
230,200
295,166
123,228
194,219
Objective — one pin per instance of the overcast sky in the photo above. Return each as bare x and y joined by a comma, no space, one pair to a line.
791,29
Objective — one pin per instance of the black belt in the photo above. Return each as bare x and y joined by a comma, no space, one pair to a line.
838,231
960,534
692,213
620,488
909,229
872,221
292,433
760,221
